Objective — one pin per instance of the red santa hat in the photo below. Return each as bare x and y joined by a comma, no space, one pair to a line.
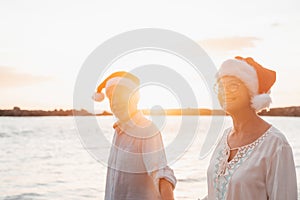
257,79
121,78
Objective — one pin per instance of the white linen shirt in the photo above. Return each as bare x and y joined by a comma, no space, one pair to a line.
137,161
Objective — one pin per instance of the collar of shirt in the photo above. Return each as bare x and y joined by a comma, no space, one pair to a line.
138,126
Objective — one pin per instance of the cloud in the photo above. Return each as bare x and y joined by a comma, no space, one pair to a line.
229,43
10,78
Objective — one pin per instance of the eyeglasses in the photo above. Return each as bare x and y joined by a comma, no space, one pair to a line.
230,87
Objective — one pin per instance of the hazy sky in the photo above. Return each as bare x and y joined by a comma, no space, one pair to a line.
43,44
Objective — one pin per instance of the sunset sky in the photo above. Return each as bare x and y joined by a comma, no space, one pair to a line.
43,44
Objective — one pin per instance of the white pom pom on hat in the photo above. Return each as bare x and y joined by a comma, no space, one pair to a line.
261,101
258,79
98,96
125,78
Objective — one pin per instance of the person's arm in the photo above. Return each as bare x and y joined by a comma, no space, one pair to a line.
166,189
118,128
281,176
157,167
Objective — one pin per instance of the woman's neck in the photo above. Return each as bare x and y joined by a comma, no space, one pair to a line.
244,121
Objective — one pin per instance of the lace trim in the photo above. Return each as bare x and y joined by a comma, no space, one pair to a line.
243,150
224,169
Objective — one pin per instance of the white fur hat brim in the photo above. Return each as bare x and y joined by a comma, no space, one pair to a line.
248,75
242,71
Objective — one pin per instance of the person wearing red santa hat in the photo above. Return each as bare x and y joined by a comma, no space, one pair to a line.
253,159
137,165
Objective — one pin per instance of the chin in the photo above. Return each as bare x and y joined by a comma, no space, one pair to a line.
230,107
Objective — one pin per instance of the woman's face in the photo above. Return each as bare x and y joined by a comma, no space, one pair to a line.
233,95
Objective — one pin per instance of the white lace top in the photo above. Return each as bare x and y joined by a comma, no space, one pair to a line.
261,170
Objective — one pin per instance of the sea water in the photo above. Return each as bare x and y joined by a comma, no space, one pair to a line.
45,158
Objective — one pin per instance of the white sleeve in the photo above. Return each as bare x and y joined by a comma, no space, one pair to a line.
204,198
166,173
155,161
281,176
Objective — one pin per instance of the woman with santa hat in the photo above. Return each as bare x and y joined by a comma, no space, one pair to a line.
253,159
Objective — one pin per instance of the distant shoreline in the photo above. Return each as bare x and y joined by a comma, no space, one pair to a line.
293,111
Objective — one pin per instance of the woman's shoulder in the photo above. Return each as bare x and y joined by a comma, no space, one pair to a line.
226,132
222,137
277,136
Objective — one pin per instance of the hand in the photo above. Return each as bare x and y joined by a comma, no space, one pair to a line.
166,189
117,128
